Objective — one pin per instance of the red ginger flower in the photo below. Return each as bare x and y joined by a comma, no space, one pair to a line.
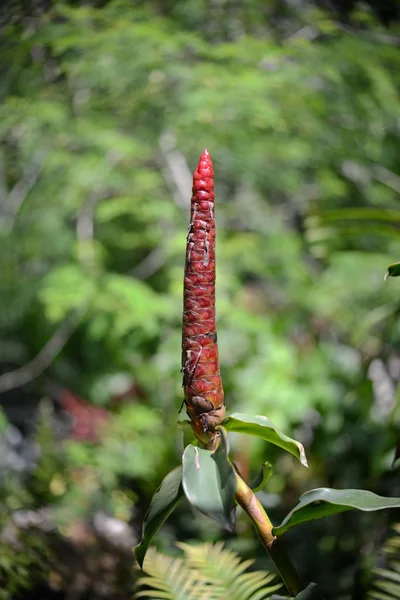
204,396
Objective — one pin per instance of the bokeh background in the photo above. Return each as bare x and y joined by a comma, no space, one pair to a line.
105,109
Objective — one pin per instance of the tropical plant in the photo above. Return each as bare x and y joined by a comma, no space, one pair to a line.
103,106
207,477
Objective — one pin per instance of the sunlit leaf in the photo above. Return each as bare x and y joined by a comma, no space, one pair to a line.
263,428
323,502
209,482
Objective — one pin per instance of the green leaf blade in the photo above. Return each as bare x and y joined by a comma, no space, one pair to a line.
309,593
209,482
262,427
393,270
323,502
262,478
165,500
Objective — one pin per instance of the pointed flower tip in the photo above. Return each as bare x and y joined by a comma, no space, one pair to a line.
205,162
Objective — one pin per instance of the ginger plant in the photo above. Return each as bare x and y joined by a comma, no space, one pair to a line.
207,477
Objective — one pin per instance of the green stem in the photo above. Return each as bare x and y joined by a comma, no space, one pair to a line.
247,499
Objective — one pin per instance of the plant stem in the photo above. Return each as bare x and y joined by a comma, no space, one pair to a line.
249,502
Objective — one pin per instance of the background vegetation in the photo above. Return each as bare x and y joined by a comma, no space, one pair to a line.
105,110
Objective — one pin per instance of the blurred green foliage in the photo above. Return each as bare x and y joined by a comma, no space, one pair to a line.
105,111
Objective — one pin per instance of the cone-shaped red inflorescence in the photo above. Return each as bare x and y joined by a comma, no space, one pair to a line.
204,396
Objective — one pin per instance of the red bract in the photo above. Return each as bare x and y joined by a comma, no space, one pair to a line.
204,396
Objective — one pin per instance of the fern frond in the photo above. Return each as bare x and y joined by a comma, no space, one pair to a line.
392,575
386,585
392,590
168,579
226,573
207,572
380,596
214,561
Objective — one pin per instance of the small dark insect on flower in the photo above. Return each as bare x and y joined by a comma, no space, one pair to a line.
204,396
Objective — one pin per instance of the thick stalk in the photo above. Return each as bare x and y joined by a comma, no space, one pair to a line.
249,502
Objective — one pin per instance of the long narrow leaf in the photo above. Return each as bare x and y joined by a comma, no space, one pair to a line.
323,502
164,501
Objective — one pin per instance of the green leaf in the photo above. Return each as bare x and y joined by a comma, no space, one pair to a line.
310,593
262,478
396,453
164,501
209,481
265,429
393,270
324,502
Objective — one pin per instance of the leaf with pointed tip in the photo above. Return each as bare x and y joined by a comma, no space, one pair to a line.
324,502
396,453
164,501
310,593
262,427
393,270
209,481
262,478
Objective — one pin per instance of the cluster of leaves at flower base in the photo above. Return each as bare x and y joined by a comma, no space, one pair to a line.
208,480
